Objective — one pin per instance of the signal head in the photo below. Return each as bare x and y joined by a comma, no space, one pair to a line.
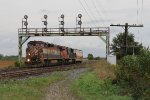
45,29
62,22
25,23
25,16
80,15
45,23
45,16
62,29
62,16
79,22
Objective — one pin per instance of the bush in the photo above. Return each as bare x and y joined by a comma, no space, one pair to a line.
134,72
90,57
18,64
1,56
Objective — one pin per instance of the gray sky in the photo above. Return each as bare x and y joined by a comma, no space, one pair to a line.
100,13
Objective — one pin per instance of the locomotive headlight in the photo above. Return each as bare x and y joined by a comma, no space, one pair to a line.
29,54
28,60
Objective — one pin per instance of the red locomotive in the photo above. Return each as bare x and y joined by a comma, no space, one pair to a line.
41,53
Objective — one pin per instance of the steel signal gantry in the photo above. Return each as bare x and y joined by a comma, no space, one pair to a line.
25,33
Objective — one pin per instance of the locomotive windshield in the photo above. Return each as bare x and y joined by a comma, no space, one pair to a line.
35,44
40,44
30,45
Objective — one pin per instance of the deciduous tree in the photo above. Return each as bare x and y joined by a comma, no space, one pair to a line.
118,47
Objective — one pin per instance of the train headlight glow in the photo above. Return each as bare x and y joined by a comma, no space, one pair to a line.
29,54
28,60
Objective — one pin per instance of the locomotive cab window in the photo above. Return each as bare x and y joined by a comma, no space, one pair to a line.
37,44
30,45
42,45
62,48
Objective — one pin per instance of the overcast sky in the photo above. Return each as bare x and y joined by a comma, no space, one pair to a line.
96,13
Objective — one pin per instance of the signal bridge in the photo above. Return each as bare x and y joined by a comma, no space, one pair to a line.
25,33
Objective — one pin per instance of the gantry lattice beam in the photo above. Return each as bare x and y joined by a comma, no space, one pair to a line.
34,32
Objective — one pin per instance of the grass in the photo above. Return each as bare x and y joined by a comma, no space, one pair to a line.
29,89
104,69
90,87
97,84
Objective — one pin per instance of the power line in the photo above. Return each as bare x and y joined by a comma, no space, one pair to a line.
137,10
142,5
103,10
86,11
142,1
98,11
90,10
140,15
142,11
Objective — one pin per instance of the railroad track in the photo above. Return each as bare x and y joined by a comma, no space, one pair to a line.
36,71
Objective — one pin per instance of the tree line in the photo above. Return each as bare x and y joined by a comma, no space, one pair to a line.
2,57
91,57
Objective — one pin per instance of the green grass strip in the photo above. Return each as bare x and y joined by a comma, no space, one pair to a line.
90,87
29,89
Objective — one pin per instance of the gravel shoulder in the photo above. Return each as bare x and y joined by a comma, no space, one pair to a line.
60,90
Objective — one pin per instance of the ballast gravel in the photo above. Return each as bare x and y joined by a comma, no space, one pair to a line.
60,90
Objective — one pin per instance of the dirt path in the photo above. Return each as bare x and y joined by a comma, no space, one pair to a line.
60,90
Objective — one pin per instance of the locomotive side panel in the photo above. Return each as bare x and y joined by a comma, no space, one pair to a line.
51,53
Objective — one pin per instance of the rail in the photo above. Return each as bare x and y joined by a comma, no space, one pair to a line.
36,71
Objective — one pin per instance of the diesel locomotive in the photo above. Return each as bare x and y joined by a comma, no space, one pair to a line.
39,53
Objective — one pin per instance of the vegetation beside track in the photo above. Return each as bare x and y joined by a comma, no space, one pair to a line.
97,84
28,89
130,79
133,73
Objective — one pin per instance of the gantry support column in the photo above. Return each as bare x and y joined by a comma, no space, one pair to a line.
20,50
107,43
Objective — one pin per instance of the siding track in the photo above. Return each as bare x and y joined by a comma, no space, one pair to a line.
36,71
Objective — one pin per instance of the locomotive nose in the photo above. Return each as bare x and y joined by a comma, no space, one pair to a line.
32,55
29,55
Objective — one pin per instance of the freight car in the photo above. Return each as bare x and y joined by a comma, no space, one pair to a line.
41,53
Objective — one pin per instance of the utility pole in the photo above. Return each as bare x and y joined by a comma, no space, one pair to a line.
126,28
